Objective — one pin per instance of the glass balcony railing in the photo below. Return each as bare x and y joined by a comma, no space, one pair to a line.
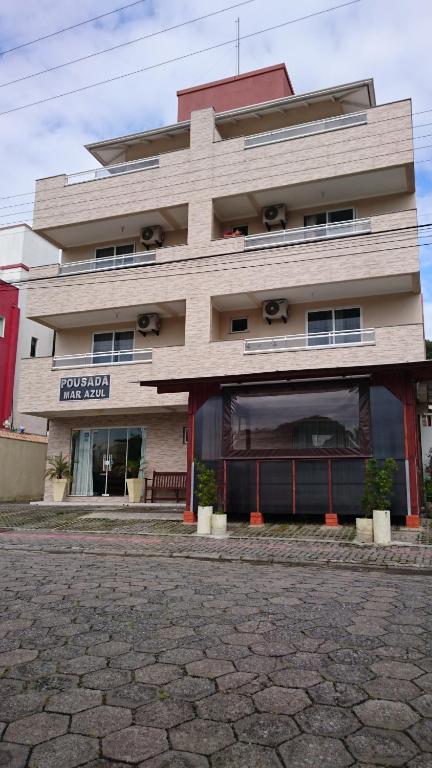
305,129
351,338
308,234
113,170
141,258
89,359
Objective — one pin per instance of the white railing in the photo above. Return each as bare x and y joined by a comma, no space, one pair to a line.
89,359
113,170
111,262
352,338
307,234
305,129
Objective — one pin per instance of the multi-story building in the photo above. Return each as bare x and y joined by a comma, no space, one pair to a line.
250,273
20,250
9,324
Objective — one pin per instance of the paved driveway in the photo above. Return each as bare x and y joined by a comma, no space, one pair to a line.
163,663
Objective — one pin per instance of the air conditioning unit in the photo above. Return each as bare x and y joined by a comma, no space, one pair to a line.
147,323
152,236
275,215
275,309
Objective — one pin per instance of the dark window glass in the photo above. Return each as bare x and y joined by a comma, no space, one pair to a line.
120,250
276,487
102,342
309,421
347,486
208,429
347,320
311,487
315,219
112,344
387,424
241,488
320,322
344,215
239,324
105,253
33,346
123,342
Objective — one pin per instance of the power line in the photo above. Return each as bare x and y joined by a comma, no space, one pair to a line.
73,26
129,42
260,179
384,237
204,157
177,58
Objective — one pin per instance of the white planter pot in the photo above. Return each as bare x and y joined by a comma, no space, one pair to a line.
381,526
219,525
59,488
364,530
135,487
204,521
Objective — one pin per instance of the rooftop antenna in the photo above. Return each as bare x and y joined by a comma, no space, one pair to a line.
238,44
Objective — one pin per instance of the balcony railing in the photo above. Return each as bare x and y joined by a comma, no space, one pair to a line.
89,359
113,170
351,338
111,262
308,234
306,129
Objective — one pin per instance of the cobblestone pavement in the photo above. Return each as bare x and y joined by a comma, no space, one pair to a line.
265,550
162,663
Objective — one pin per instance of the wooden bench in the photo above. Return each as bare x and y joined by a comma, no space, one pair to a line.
173,483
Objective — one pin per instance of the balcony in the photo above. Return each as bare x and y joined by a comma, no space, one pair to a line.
307,234
351,338
305,129
138,259
112,170
90,359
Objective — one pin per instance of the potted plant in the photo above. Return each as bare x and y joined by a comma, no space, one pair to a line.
59,473
135,483
206,491
219,521
364,525
383,498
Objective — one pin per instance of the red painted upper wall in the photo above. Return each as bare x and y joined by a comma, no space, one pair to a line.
234,92
8,346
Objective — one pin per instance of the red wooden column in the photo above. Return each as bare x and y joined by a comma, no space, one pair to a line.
412,455
189,516
257,517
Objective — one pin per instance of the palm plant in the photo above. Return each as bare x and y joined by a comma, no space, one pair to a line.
58,467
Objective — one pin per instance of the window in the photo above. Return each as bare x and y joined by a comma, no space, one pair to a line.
2,326
329,217
329,326
114,250
113,347
185,435
427,420
33,346
239,324
298,420
236,231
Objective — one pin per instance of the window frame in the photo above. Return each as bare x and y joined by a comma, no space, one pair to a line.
332,310
233,319
2,327
113,351
113,245
327,212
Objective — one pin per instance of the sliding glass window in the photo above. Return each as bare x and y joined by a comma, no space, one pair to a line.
113,347
331,326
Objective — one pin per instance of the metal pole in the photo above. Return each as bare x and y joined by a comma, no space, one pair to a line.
238,45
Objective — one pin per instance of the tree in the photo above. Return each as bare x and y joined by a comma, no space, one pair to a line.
428,349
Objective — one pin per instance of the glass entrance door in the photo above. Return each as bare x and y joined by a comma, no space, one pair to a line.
102,459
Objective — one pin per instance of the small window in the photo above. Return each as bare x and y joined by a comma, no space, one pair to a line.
328,217
33,346
427,420
333,326
2,326
239,325
114,250
185,435
236,231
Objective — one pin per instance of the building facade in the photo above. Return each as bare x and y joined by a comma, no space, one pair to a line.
241,287
20,250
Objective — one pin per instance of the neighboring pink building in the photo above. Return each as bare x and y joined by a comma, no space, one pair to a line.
9,325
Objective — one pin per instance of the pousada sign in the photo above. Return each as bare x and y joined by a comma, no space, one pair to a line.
84,388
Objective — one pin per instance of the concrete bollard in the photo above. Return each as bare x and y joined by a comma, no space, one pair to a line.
381,526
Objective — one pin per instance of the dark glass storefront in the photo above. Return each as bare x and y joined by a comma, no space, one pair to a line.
285,450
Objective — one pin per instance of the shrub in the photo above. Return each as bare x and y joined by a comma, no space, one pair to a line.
206,485
378,489
58,467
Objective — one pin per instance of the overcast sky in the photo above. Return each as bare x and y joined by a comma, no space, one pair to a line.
388,40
